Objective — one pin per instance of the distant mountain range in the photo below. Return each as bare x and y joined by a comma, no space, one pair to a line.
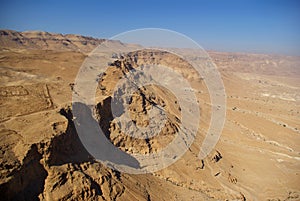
47,41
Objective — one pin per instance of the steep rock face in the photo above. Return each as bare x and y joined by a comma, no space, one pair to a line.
141,102
47,41
58,168
28,180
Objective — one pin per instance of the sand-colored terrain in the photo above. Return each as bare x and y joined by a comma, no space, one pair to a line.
42,158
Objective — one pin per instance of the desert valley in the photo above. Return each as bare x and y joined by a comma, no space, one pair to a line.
256,158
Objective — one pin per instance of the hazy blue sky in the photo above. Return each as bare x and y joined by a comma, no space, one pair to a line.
271,26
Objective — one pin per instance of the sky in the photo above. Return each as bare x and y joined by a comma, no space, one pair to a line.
258,26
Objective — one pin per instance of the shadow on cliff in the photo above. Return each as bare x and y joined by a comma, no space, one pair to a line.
87,141
28,181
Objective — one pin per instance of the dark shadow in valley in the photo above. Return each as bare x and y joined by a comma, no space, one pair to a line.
94,137
86,141
28,182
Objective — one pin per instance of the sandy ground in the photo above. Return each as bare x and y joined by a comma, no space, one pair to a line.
256,158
